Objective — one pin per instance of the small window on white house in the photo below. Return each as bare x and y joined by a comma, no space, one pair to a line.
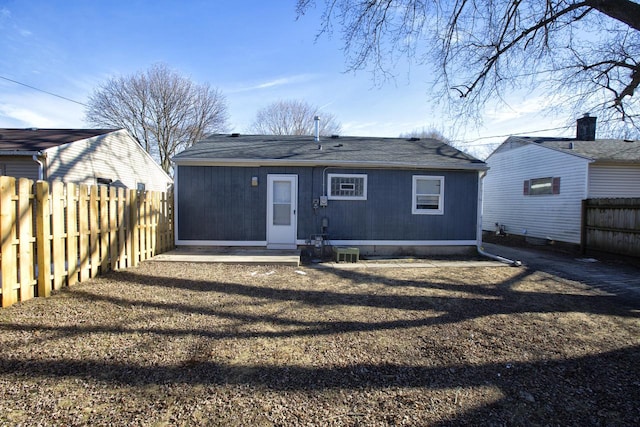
541,186
428,195
347,186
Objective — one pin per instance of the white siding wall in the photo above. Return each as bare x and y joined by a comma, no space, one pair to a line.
614,181
115,156
546,216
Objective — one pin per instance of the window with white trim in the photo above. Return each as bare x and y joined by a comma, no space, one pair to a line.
347,186
427,195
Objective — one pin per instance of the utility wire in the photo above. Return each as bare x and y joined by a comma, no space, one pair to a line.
508,135
516,134
43,91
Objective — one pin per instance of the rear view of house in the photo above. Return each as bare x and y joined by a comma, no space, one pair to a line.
535,185
80,156
383,195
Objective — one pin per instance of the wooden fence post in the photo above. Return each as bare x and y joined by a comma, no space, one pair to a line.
128,240
93,236
26,238
57,232
7,231
155,215
104,230
113,230
122,254
43,239
84,236
583,227
133,227
72,235
142,225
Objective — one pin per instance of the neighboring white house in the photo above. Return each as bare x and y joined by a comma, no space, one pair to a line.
535,185
81,156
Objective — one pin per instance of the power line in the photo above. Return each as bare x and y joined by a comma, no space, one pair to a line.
43,91
518,133
510,134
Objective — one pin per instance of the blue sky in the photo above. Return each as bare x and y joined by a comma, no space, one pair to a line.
255,52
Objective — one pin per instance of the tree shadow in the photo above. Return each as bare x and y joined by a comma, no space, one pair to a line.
532,392
568,392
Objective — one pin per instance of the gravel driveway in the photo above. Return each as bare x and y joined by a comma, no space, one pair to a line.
206,344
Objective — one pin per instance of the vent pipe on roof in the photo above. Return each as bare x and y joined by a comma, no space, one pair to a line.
586,128
316,120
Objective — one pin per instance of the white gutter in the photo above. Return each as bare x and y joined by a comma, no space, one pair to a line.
481,251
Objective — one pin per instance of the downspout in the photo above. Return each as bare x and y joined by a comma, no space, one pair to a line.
36,158
479,247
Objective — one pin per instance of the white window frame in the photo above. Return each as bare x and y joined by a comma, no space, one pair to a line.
330,176
414,209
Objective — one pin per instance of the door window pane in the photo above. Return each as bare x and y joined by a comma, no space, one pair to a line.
281,203
281,192
281,214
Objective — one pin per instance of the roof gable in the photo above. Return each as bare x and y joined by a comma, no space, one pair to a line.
600,150
35,139
347,150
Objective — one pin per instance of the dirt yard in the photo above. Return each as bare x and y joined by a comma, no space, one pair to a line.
194,344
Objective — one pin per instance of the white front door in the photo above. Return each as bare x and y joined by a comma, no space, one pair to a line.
282,206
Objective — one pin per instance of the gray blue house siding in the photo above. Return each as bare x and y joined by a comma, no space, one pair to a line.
234,190
218,203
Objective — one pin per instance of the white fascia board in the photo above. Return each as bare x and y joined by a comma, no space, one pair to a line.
221,243
329,163
332,242
400,242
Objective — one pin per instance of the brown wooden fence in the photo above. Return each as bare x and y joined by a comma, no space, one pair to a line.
61,234
611,225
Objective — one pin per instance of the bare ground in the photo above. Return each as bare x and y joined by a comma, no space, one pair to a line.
195,344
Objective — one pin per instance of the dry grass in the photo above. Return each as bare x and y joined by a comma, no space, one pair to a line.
194,344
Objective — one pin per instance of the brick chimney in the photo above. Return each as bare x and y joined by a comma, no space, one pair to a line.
586,128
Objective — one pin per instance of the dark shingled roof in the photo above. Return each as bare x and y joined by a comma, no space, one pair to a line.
34,139
344,150
604,150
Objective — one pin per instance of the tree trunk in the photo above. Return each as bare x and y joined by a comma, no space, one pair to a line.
625,11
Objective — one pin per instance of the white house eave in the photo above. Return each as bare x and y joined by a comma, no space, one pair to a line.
332,163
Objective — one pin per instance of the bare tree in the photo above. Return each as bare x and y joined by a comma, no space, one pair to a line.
293,117
163,110
584,52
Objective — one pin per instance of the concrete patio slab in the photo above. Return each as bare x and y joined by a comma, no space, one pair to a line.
226,255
